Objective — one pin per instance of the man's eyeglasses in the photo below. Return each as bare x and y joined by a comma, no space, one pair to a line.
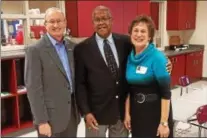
55,21
98,20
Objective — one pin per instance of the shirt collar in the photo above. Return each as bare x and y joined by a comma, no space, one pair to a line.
54,42
109,38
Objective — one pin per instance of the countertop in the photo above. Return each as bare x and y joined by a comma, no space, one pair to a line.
18,51
192,48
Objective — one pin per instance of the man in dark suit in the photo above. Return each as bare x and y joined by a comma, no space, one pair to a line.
100,63
49,78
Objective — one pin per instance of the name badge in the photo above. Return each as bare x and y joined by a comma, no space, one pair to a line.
141,69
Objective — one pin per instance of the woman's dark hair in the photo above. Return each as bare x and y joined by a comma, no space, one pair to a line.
148,21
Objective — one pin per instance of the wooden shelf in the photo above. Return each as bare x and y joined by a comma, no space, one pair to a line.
13,16
7,96
15,111
8,129
26,124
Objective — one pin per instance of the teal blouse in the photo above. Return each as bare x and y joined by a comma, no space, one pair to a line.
149,67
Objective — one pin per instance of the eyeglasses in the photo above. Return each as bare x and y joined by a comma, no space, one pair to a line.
98,20
55,21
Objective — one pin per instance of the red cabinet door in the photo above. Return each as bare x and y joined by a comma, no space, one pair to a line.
200,75
172,15
199,64
173,73
71,11
154,11
143,7
85,9
176,15
191,15
194,65
178,68
132,9
190,66
130,12
181,15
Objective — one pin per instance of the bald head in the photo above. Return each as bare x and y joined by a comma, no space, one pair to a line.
101,8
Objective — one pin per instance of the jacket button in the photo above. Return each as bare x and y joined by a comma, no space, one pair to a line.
117,96
117,82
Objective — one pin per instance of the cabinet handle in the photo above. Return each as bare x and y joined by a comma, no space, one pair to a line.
195,62
175,59
186,25
172,60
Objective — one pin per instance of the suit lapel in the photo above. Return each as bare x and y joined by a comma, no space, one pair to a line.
69,49
96,52
52,52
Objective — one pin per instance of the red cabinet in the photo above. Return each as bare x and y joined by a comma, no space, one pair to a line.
143,7
200,64
133,9
79,15
130,12
190,64
154,11
178,68
194,65
181,15
71,11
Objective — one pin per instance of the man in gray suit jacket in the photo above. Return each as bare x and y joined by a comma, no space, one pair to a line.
49,78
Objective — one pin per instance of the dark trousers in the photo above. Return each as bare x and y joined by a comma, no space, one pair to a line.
71,130
117,130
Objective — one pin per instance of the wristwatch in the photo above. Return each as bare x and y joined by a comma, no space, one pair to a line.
164,124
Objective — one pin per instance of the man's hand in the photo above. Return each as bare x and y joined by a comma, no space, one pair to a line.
169,66
91,121
45,129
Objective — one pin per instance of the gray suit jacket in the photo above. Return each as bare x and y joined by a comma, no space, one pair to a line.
48,88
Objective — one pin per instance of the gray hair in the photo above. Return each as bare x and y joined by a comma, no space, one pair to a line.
102,8
52,9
